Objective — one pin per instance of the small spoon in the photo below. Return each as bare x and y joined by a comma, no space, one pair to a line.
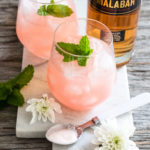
69,134
55,134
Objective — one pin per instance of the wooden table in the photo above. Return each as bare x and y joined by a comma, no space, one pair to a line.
10,65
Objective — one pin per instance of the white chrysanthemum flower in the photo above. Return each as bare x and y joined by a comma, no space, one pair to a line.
43,108
110,136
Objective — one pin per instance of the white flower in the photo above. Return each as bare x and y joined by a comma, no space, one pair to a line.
110,136
43,108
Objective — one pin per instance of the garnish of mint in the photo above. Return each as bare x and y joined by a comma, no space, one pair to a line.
10,90
82,49
56,10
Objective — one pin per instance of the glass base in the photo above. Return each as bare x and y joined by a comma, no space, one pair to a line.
122,60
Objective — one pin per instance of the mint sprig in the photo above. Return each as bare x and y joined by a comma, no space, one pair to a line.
52,1
82,49
15,98
55,10
43,11
10,90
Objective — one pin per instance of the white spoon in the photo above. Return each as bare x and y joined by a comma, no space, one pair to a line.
69,134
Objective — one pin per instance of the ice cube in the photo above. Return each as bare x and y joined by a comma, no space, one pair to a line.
91,100
94,78
74,101
27,5
87,88
88,100
73,70
73,90
96,45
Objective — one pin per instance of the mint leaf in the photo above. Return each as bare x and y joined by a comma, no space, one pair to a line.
3,104
52,1
59,11
85,50
5,90
23,78
85,46
82,61
68,58
10,90
16,98
43,11
70,48
82,49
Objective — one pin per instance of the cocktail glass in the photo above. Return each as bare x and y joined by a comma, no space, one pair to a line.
82,87
35,30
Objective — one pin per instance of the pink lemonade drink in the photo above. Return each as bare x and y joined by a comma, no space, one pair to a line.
35,27
82,87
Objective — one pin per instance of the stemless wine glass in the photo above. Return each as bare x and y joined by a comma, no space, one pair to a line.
82,87
35,27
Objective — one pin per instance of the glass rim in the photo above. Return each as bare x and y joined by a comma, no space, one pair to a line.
35,1
83,56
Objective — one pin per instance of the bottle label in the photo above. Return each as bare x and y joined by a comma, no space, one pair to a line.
115,7
118,36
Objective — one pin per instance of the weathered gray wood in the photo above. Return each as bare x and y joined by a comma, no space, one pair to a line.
139,77
10,65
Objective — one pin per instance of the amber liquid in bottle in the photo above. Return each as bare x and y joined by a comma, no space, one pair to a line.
123,27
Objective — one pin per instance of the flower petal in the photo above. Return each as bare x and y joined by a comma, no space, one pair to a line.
113,137
43,108
39,116
44,118
57,108
98,148
34,118
95,142
45,96
29,108
51,116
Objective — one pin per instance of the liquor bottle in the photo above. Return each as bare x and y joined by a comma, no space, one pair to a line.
121,17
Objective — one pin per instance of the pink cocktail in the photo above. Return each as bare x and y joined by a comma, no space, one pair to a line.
82,87
36,31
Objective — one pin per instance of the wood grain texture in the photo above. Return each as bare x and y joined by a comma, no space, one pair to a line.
139,77
10,65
